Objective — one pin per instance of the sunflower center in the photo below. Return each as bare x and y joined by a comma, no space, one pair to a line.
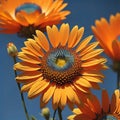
108,117
61,66
60,60
28,8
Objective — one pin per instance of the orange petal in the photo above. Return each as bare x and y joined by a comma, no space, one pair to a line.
63,99
70,93
72,36
83,82
33,47
42,40
56,97
92,79
79,36
48,94
91,54
29,58
84,43
38,88
81,88
105,101
115,101
116,49
64,34
27,86
28,76
96,107
52,35
24,66
93,62
89,48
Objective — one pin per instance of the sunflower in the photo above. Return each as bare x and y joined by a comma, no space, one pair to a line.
60,67
26,16
92,110
107,33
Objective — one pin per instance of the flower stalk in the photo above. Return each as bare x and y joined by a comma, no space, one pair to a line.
54,114
116,68
118,80
13,52
60,113
21,94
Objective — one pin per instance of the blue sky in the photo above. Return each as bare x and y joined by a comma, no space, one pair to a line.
83,13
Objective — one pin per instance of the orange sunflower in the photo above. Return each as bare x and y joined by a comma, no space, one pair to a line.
60,67
108,33
26,16
94,111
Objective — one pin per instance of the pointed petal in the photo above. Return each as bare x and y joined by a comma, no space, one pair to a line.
93,62
115,101
83,82
28,76
27,86
72,36
63,99
48,94
64,34
92,79
52,35
84,43
105,101
89,48
91,54
38,88
24,66
79,36
42,40
29,58
56,97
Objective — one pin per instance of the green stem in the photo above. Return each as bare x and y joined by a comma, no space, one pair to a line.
54,114
118,80
60,113
21,94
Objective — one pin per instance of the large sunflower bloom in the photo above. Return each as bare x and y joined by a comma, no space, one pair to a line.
60,68
107,33
92,110
25,16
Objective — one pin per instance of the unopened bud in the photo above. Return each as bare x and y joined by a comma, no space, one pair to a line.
12,50
46,113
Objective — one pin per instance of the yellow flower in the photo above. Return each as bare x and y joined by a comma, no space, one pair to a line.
60,67
92,110
26,16
108,35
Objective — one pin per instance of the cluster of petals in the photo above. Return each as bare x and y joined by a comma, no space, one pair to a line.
16,15
108,33
93,110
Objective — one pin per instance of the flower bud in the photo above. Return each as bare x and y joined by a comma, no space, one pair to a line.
46,113
12,50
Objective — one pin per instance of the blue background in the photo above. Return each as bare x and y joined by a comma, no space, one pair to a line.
83,13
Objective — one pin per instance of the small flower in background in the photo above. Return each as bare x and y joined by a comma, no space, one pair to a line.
12,50
62,67
108,34
26,16
94,111
46,113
